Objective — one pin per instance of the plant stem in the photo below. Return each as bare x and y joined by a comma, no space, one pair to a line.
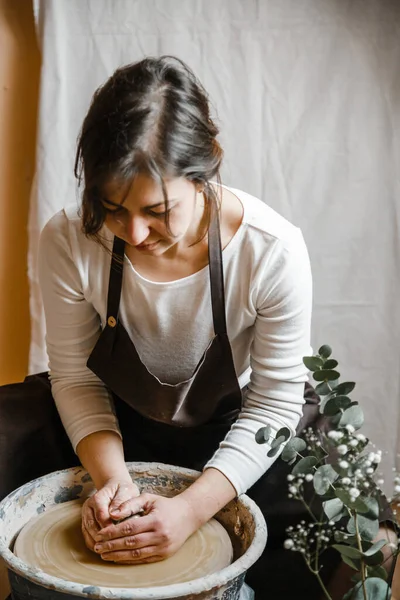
362,560
321,583
314,518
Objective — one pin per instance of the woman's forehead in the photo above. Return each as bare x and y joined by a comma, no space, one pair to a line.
144,189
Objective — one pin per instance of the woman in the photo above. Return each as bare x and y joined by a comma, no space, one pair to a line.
156,352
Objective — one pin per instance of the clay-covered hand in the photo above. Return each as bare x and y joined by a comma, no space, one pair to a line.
96,509
164,527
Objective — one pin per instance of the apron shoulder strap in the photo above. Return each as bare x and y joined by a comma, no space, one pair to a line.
216,272
115,281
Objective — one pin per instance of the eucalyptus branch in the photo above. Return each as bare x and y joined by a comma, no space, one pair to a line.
359,544
333,462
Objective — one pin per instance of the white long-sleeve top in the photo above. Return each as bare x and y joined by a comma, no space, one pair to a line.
268,293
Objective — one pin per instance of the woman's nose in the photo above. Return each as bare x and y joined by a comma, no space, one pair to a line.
137,231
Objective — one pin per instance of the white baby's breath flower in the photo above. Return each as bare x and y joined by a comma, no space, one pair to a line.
343,464
360,437
369,471
380,482
346,481
377,457
353,443
288,544
309,477
293,489
396,489
290,477
354,492
335,434
342,449
350,428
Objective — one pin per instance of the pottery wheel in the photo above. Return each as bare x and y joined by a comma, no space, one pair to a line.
53,542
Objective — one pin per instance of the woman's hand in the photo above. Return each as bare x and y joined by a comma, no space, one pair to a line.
96,510
160,532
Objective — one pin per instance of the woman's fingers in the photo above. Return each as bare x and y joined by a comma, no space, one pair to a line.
141,540
133,525
90,525
125,492
129,527
136,555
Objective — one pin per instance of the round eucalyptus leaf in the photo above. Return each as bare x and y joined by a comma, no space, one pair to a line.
345,388
322,389
292,448
378,571
336,404
325,351
352,562
278,441
273,451
313,363
330,364
352,416
288,454
376,588
323,478
326,375
283,431
342,536
368,528
263,434
347,551
375,559
375,548
373,508
305,465
345,497
333,508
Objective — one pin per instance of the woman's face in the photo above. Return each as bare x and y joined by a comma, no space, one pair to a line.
137,214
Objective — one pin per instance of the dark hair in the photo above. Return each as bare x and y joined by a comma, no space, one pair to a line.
150,117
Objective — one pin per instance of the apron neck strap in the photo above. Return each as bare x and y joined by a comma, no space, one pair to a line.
215,269
115,281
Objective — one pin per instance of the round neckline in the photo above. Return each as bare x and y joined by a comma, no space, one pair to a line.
192,278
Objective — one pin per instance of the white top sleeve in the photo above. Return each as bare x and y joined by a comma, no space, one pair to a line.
72,328
276,387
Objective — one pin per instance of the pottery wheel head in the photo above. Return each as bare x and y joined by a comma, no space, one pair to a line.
53,542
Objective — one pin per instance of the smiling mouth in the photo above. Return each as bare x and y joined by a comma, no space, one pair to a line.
146,246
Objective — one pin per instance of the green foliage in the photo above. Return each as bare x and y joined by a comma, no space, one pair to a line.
336,404
305,465
368,528
293,448
275,445
322,389
375,587
263,434
313,363
333,508
345,388
326,375
352,416
325,351
323,479
344,484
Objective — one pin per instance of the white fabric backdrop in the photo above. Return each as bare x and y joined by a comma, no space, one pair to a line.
307,94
